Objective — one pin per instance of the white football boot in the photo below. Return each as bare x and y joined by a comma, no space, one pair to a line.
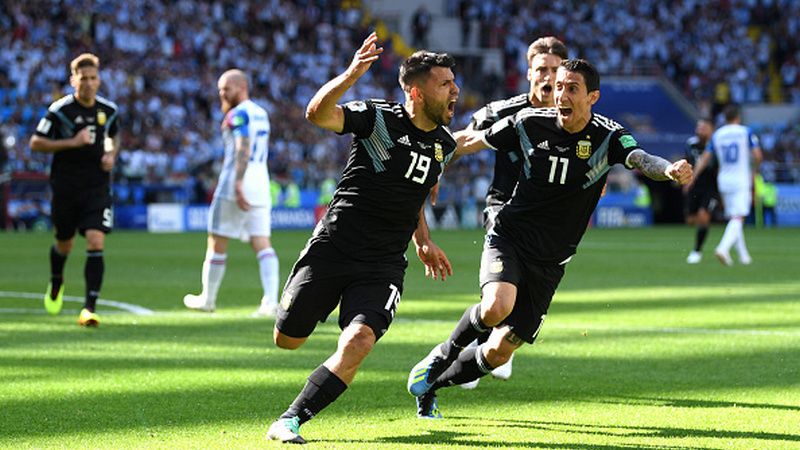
198,303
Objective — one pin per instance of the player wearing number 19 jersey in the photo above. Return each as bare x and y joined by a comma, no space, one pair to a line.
81,131
242,202
356,255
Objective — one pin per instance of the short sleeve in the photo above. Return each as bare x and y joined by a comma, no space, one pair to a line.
238,122
113,126
49,126
503,135
621,144
483,118
359,118
710,145
754,142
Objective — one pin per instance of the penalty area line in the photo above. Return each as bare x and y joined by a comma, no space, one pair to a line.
128,307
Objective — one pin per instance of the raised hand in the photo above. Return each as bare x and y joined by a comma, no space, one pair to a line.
365,56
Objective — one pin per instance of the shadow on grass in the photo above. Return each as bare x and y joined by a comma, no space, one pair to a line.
690,403
634,431
451,437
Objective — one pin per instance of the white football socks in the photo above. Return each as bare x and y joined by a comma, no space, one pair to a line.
213,272
268,269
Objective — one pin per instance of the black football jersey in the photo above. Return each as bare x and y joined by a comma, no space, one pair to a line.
562,178
707,181
80,166
391,168
507,165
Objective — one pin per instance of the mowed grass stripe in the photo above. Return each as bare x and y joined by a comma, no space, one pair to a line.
613,368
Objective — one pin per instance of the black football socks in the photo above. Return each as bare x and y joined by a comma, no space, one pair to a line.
468,328
93,273
321,389
57,261
470,365
700,238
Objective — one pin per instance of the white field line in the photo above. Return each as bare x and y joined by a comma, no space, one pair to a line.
131,308
142,311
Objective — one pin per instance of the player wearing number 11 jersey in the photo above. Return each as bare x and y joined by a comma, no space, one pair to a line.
566,153
242,202
355,258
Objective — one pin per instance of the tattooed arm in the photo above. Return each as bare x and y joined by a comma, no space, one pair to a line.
659,169
242,156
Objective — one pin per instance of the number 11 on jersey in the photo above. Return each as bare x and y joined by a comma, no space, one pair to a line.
554,160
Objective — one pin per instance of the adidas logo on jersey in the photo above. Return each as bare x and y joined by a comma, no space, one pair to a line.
404,140
79,120
544,145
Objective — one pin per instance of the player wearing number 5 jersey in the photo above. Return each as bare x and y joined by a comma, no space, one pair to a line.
242,202
737,152
566,154
81,132
355,258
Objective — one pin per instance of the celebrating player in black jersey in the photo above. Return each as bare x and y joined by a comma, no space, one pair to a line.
80,130
544,56
356,255
566,153
702,198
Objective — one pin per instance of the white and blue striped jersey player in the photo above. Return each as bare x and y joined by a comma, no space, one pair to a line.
248,120
733,145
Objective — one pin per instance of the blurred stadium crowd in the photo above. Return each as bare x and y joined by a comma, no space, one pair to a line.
161,59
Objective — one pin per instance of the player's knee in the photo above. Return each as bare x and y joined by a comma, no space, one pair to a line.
286,342
64,247
493,312
357,340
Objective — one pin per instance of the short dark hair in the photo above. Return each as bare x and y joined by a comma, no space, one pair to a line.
419,65
731,112
84,60
585,68
547,45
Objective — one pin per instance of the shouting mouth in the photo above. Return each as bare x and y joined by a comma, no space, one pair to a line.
451,107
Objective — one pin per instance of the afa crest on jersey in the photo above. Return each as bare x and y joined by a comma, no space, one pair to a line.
101,118
438,153
584,149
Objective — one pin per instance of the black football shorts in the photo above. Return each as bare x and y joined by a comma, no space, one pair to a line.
536,284
324,277
81,209
701,199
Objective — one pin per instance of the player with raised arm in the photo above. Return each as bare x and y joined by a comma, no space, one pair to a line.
566,153
544,56
81,131
242,203
738,153
356,255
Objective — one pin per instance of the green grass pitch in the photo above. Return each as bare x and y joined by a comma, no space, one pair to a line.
639,351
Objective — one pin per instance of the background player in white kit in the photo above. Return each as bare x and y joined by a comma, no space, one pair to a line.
738,152
242,203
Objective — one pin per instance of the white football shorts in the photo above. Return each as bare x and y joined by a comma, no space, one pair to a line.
226,219
737,202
